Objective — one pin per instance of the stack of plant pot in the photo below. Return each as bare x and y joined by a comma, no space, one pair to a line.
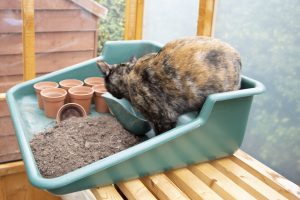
71,97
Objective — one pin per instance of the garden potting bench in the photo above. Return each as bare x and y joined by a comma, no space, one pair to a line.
239,176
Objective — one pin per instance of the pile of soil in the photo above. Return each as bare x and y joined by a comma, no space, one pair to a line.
77,141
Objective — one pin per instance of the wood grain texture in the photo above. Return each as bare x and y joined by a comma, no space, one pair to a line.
247,181
135,189
133,19
267,175
6,127
106,193
49,21
163,187
205,17
220,183
191,185
28,39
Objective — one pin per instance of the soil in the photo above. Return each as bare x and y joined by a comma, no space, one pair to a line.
77,142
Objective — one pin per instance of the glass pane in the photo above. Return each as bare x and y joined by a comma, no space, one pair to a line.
169,19
267,34
112,27
11,71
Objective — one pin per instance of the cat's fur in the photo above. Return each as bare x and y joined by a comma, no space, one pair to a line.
175,80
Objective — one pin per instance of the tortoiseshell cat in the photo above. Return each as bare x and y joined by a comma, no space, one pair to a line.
175,80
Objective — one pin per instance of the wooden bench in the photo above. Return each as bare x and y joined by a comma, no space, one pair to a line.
236,177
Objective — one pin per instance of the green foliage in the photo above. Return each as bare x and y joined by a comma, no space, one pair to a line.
112,27
267,34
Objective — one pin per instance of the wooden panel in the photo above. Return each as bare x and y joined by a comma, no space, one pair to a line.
220,183
191,185
92,7
49,21
106,193
247,181
10,21
10,44
49,42
40,4
65,41
4,109
135,189
45,62
17,187
9,157
7,128
163,187
9,148
6,85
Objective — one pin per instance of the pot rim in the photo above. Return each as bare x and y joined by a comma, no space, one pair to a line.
88,81
61,97
86,95
63,83
37,86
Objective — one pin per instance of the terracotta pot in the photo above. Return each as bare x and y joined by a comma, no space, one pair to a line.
39,87
53,99
82,95
67,84
70,110
91,81
100,104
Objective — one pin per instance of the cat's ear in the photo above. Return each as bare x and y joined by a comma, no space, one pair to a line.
133,59
104,67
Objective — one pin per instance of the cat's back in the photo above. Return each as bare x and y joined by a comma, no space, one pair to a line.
204,62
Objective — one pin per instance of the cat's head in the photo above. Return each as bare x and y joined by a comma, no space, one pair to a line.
116,77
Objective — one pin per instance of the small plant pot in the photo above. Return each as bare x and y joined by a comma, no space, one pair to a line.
67,84
39,87
70,110
100,104
82,95
53,99
91,81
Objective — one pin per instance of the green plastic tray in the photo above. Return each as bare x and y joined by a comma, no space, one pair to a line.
216,132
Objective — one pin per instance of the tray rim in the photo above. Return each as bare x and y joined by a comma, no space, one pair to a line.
53,183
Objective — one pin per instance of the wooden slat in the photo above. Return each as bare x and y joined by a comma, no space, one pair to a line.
191,185
28,38
10,157
106,193
247,181
4,86
205,17
49,21
8,145
163,187
40,4
45,62
133,19
221,184
3,106
267,175
6,127
139,19
2,96
11,168
135,189
50,42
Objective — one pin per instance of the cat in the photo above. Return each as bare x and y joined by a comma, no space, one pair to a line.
175,80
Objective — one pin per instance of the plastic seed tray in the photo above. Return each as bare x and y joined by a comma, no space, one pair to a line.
217,131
